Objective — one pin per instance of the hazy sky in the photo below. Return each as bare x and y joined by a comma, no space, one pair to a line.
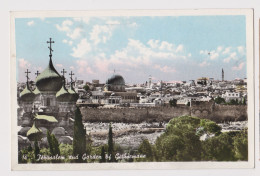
167,48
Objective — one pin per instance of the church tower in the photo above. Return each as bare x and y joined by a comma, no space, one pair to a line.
50,106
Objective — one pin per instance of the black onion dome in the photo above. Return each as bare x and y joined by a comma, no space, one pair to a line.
116,80
27,94
63,95
49,79
73,94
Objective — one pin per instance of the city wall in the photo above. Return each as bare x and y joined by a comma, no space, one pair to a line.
217,113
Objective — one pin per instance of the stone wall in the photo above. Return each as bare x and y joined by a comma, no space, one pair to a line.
217,113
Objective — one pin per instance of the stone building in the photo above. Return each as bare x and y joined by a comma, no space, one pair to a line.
50,106
115,93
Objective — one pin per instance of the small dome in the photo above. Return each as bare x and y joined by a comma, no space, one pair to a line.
58,131
49,79
73,94
116,80
65,140
63,95
36,91
27,94
34,133
23,131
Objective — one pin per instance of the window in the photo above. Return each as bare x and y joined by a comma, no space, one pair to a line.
48,102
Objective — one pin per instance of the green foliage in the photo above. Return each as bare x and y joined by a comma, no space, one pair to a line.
173,102
241,146
86,87
218,148
181,142
79,137
88,144
66,150
219,100
53,144
209,127
103,155
36,149
145,148
49,138
233,102
244,101
111,151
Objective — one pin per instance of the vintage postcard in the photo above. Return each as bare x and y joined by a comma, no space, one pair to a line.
135,89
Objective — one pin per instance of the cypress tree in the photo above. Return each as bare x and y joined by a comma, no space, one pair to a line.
36,149
49,138
103,155
111,152
79,137
55,145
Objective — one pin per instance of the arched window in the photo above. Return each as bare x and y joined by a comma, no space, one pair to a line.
48,102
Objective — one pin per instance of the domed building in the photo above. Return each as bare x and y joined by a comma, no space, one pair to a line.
115,93
49,106
115,83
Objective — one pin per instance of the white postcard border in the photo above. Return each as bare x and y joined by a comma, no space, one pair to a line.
145,165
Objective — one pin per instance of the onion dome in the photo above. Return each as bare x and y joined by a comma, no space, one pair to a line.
49,79
27,94
63,95
23,131
34,133
73,94
116,80
36,91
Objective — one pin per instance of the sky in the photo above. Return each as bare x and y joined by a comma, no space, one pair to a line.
167,48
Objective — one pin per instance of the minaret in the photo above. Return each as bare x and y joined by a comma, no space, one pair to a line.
150,81
222,74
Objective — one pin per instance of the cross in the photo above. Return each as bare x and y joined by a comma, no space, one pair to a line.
71,74
27,72
63,72
37,73
50,42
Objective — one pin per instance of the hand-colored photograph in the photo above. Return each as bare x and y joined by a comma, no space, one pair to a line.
131,89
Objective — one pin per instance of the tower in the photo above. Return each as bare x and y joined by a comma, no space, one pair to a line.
222,74
150,81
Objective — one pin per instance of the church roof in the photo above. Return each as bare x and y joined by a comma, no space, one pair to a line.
46,117
33,130
63,94
27,94
36,91
73,94
49,79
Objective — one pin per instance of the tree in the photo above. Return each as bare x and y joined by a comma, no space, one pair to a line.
49,138
180,141
244,101
241,146
79,136
219,100
36,149
173,102
86,87
145,148
111,152
103,155
218,148
53,144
